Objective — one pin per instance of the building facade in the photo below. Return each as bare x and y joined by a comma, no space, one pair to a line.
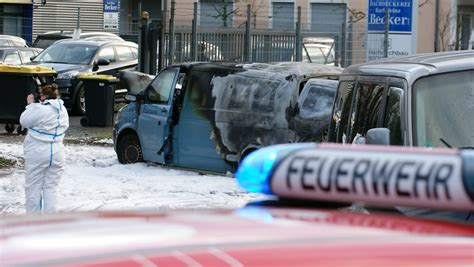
454,21
16,18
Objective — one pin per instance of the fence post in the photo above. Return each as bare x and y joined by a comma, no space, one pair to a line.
349,46
386,30
162,39
143,40
248,37
171,35
298,36
344,42
194,35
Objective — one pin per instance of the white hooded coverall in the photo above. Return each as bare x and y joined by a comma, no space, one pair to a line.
43,147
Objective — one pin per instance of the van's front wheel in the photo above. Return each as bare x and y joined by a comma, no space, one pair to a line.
129,150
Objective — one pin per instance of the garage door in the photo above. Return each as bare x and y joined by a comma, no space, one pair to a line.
327,18
283,16
62,15
211,13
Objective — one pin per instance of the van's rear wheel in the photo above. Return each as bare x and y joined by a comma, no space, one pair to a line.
129,150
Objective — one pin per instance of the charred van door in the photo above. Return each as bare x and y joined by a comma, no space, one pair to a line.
154,118
314,109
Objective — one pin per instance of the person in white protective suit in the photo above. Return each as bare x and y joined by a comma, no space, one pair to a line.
47,122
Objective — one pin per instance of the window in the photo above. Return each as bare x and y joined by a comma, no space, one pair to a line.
443,110
340,116
69,53
393,116
160,89
318,98
124,53
26,56
366,108
12,59
107,53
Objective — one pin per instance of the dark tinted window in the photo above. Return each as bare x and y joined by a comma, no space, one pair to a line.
44,41
393,116
366,109
340,115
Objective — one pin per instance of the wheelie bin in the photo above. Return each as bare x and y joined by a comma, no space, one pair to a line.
99,92
17,82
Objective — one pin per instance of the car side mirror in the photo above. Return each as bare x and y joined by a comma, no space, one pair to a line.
131,97
378,136
103,62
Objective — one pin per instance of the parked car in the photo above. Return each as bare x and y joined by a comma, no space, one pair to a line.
302,223
10,55
46,39
209,116
10,40
74,58
314,50
205,52
318,50
420,100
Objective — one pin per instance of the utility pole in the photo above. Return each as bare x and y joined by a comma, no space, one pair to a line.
386,30
436,34
171,34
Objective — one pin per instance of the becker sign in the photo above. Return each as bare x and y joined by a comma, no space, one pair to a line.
400,15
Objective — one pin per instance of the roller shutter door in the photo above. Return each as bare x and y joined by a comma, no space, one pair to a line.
209,13
62,15
283,16
327,18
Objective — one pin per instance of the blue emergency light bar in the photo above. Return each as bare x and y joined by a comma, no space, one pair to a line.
376,175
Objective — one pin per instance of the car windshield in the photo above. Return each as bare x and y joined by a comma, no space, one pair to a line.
444,108
68,53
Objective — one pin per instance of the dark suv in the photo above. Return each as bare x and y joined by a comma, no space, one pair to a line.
73,58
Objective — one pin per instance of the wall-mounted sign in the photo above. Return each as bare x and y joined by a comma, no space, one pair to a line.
403,15
111,14
400,19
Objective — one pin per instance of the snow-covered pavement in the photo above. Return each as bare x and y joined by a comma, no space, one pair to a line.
94,180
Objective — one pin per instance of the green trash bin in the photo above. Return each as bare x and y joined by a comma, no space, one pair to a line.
99,93
17,83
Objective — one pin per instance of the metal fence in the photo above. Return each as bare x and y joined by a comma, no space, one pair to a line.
252,36
247,41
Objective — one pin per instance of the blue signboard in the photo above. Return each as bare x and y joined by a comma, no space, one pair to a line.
400,18
111,6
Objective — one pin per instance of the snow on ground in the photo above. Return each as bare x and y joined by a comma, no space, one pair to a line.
94,180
